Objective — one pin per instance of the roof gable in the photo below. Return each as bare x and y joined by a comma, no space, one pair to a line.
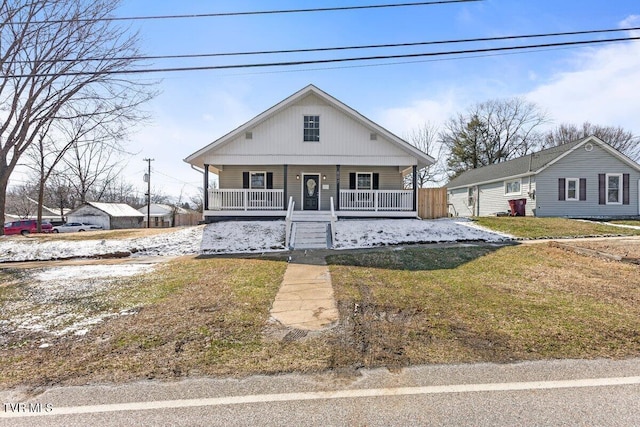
267,132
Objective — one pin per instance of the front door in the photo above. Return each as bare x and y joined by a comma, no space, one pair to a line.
310,192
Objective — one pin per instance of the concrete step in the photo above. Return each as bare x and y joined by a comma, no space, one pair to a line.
311,216
310,235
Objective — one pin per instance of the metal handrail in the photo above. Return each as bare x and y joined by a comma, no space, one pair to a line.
334,218
288,223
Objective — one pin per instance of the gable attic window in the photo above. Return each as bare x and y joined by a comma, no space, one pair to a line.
248,135
311,129
512,188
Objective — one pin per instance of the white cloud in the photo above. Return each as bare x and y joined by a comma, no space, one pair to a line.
435,110
602,87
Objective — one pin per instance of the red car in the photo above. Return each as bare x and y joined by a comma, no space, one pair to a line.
25,226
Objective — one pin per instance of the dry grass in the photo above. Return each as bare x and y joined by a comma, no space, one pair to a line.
550,228
412,306
628,248
480,304
130,233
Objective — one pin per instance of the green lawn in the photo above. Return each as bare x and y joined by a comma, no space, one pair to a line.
537,228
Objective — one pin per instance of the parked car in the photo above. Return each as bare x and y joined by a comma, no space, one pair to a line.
25,226
72,227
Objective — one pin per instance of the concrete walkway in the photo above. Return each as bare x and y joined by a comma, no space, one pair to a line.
305,299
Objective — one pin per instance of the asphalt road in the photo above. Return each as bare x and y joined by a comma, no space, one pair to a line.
553,393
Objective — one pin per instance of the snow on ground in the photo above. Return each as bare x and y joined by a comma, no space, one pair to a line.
243,236
351,234
250,236
182,242
64,300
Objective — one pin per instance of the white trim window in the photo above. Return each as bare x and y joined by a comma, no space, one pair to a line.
614,188
311,132
364,180
471,196
258,180
513,187
572,189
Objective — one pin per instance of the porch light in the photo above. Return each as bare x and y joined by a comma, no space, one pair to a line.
298,177
324,177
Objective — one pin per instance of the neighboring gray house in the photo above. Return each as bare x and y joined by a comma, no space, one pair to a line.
586,178
311,149
110,216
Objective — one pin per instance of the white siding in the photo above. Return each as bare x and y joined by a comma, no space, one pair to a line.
584,164
491,199
90,215
279,140
459,204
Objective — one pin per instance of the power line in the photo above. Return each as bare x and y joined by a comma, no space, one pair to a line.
258,12
355,47
329,61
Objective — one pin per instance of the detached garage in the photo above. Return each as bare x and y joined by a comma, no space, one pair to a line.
110,216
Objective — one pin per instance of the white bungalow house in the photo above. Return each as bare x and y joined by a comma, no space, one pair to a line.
312,153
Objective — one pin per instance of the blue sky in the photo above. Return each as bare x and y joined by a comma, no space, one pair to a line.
599,83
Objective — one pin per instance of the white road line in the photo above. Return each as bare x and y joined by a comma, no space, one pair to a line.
323,395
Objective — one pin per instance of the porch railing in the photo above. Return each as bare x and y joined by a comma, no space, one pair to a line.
246,200
376,200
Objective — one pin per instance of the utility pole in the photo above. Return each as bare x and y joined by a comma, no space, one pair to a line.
147,178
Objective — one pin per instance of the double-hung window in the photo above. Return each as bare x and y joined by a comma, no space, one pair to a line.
614,188
512,188
364,181
470,196
311,131
572,189
258,180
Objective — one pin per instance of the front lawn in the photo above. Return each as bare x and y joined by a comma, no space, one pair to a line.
539,228
483,304
194,317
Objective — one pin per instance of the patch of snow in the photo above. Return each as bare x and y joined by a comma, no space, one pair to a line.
182,242
65,300
243,236
351,234
77,272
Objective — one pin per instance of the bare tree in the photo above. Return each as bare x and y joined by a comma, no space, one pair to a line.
59,59
120,191
92,167
197,200
425,139
620,139
492,132
19,201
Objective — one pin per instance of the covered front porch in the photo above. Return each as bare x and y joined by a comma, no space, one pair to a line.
273,203
349,191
